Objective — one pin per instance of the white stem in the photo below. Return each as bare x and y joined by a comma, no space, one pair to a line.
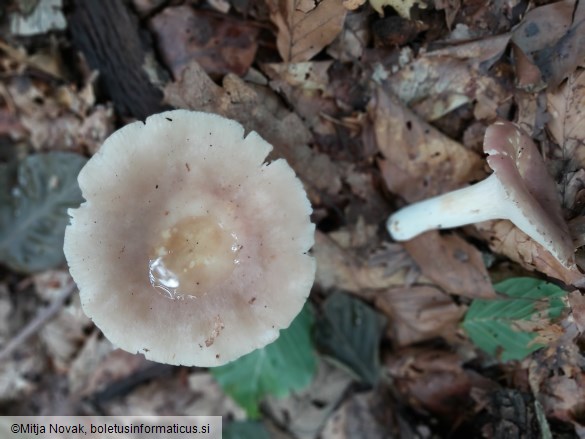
483,201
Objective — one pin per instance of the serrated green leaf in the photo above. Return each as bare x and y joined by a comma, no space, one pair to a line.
285,365
350,333
34,198
508,325
245,430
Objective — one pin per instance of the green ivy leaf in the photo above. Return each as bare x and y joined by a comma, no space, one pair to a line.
34,197
509,326
350,333
287,364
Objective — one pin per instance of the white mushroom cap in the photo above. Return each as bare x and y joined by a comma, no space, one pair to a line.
520,190
189,248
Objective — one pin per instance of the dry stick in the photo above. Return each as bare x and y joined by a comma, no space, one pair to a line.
40,320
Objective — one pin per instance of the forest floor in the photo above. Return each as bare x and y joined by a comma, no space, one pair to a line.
375,105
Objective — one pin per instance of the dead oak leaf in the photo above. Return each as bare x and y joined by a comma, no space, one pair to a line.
419,313
505,238
304,412
371,414
432,380
304,31
339,267
453,264
436,85
550,38
258,109
305,86
420,161
566,106
219,45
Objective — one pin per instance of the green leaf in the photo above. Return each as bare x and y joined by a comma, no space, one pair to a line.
34,197
287,364
542,422
510,326
350,332
245,430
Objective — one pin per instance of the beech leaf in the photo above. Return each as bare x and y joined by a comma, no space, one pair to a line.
513,326
304,31
287,364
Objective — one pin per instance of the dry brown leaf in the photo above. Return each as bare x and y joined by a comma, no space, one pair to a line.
304,412
442,80
364,415
452,264
92,353
219,45
210,399
310,76
532,115
305,87
115,366
403,7
352,5
395,31
259,109
527,74
484,51
557,380
420,161
353,39
60,118
64,335
419,313
566,106
433,380
505,238
433,86
17,376
551,38
555,373
179,395
304,31
46,60
450,7
577,303
10,125
574,201
543,26
342,268
51,284
563,397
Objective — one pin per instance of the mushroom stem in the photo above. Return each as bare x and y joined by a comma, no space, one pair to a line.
482,201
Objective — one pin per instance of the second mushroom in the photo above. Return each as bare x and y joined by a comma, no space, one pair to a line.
520,190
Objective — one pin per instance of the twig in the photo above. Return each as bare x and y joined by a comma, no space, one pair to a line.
40,320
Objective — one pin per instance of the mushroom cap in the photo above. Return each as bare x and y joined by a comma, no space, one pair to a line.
522,173
189,248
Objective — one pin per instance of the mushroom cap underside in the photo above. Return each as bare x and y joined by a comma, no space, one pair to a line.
521,170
